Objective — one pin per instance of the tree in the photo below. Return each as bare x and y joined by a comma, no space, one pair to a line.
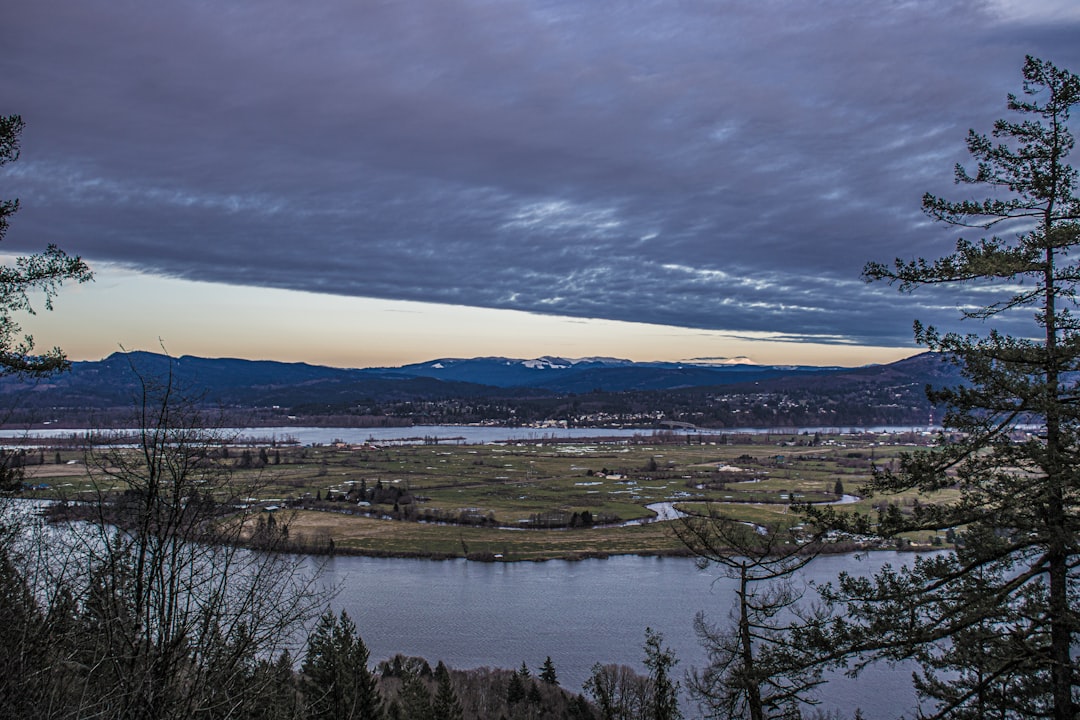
446,705
533,696
757,667
414,697
25,662
281,698
515,689
618,691
622,694
150,605
44,272
26,629
663,689
547,672
998,615
336,678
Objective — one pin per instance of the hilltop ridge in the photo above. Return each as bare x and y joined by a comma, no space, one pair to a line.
497,389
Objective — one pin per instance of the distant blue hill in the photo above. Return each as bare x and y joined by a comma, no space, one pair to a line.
478,389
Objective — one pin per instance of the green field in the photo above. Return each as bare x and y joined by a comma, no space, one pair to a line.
493,498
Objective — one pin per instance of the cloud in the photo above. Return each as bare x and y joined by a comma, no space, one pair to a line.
718,165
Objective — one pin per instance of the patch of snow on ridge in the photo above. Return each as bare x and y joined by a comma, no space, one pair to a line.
546,363
740,360
602,360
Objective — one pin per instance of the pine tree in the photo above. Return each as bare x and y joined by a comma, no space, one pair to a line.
337,681
755,669
515,689
547,672
997,619
414,697
446,705
43,273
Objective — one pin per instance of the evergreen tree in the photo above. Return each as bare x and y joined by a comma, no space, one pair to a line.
414,697
42,273
515,690
994,624
446,705
580,709
755,670
278,696
547,672
24,663
338,684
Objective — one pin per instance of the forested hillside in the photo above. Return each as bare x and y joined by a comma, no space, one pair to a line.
268,393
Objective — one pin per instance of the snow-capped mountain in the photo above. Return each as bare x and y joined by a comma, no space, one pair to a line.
593,373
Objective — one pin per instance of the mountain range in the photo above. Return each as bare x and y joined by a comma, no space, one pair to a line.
488,385
590,374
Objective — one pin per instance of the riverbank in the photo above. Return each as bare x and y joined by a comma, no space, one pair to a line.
318,533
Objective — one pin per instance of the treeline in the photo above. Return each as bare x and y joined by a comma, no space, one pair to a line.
79,662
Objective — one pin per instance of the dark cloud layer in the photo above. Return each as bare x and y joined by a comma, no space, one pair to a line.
713,163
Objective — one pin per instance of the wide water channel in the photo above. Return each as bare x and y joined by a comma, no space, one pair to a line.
471,614
463,434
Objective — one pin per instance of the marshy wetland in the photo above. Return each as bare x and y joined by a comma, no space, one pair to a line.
524,500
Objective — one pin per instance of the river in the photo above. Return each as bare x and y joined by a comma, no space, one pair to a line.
472,614
462,433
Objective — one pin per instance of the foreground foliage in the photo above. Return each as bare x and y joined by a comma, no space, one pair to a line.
152,609
994,625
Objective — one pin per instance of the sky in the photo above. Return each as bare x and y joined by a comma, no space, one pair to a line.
374,183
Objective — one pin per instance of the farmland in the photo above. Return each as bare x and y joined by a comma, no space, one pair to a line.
520,501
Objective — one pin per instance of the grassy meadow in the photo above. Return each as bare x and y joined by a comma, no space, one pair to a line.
491,500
